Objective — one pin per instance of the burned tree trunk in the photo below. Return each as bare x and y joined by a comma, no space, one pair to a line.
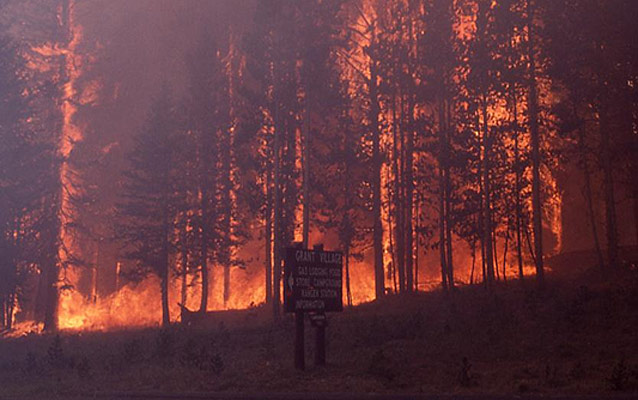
277,224
442,199
448,194
409,204
517,186
608,183
398,209
203,256
268,211
582,146
536,150
379,279
306,171
487,205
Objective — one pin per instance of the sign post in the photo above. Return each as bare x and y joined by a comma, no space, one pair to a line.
313,284
300,357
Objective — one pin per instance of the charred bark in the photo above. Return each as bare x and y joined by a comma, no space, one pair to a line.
398,209
608,184
379,279
409,205
582,146
268,238
517,186
487,207
536,150
203,256
442,199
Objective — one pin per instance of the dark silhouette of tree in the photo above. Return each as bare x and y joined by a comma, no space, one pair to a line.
153,197
595,66
209,122
362,57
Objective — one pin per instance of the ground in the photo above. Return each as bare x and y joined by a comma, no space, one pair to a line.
576,336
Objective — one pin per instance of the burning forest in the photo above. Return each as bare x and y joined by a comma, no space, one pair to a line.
158,156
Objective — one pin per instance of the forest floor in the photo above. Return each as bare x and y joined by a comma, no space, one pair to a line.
577,336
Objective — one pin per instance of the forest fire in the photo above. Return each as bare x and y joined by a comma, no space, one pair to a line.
441,165
90,261
442,194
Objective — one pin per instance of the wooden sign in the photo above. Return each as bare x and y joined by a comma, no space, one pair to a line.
313,280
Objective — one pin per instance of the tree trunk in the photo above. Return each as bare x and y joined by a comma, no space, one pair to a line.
51,297
487,210
11,304
536,151
494,243
3,312
507,239
226,283
517,190
306,172
589,195
481,212
408,172
269,238
277,225
184,263
417,258
442,217
164,272
348,291
379,283
225,251
610,202
203,256
409,204
392,271
448,195
473,264
398,209
166,319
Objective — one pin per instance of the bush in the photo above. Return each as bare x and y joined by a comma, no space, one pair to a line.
619,377
55,354
31,366
165,346
465,376
133,351
205,358
84,369
380,366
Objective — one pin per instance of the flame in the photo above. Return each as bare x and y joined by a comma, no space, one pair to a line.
139,304
71,134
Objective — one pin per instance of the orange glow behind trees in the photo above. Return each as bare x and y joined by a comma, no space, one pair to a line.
421,138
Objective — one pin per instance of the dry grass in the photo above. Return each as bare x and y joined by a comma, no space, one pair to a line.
577,336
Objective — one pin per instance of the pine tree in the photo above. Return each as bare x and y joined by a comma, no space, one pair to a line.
153,197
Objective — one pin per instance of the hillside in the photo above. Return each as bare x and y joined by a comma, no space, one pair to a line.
577,336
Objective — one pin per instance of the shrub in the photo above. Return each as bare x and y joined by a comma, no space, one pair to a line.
165,346
84,369
465,376
380,366
55,354
133,351
619,377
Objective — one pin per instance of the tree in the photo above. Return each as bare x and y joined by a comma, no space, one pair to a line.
153,197
594,66
209,121
361,62
17,196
